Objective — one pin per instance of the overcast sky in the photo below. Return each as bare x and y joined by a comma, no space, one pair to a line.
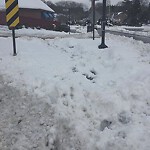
87,2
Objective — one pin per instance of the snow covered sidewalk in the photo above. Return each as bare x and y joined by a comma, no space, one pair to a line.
73,96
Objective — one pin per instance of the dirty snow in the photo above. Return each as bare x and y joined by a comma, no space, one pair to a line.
66,94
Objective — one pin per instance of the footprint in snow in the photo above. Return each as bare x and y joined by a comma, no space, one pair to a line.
91,77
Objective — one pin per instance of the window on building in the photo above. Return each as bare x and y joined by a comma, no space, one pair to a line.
48,15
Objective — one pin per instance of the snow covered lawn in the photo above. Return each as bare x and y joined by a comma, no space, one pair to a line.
78,31
96,99
4,31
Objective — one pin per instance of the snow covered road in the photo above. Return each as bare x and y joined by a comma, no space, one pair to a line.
137,33
143,38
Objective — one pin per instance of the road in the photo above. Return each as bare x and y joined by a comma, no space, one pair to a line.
143,38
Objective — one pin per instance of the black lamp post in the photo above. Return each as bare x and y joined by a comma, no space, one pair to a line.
93,5
102,46
69,20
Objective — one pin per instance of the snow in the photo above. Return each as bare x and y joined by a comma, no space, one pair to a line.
78,31
67,94
33,4
31,32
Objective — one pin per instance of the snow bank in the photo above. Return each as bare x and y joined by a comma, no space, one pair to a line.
100,98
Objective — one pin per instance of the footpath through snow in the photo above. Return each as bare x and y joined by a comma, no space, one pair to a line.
66,94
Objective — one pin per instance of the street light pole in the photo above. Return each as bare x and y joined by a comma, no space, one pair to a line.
69,20
102,46
93,5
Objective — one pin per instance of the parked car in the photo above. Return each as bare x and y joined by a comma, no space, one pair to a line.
63,27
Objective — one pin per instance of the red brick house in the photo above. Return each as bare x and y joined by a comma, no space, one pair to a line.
32,13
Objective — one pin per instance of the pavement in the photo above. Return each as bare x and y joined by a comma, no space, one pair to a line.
143,38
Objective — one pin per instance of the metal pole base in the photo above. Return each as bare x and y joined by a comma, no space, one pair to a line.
102,46
15,54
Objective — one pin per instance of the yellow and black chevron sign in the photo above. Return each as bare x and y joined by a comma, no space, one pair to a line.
12,13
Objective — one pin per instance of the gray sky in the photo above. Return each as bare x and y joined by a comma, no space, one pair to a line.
87,2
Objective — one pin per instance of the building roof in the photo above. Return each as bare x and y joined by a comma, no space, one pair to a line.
32,4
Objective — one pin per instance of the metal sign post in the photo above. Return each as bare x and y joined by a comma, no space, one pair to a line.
12,18
14,42
102,46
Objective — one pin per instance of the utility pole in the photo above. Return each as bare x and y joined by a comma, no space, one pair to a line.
102,46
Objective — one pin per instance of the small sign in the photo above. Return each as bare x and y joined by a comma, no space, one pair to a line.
12,18
12,13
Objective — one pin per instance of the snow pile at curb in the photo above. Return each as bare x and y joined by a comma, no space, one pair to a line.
90,99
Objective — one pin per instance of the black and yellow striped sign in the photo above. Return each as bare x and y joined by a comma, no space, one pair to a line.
12,13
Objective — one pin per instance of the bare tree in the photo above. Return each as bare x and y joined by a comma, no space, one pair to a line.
108,2
144,2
